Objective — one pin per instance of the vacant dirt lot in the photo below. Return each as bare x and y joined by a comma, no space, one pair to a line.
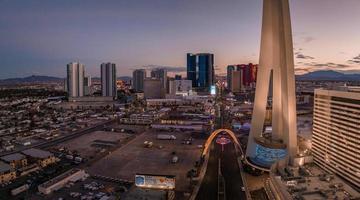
134,158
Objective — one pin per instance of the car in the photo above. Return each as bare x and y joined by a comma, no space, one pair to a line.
186,142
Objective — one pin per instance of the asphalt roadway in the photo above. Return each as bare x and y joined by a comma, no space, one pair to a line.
230,171
209,186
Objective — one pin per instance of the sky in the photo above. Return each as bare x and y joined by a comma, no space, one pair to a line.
39,37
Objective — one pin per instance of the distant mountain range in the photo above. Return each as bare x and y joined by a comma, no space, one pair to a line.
325,75
44,79
30,79
328,75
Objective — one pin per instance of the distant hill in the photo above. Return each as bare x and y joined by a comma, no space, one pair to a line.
46,79
30,79
328,75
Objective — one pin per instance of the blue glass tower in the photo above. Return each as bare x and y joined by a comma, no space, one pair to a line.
191,68
200,69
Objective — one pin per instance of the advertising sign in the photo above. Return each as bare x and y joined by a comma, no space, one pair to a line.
213,90
165,182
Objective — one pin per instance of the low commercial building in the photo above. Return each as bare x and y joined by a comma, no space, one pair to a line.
60,181
181,101
91,99
88,102
43,158
164,102
145,118
180,87
19,190
195,127
15,160
7,173
28,169
184,122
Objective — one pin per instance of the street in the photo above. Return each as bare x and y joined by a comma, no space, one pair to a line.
209,186
230,171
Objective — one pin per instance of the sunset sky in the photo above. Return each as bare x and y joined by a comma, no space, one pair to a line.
40,37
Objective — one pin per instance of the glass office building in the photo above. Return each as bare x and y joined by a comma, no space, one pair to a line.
200,69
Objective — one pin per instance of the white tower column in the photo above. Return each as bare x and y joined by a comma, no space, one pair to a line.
276,55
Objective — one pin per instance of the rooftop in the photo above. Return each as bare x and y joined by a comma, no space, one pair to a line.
37,153
13,157
310,182
61,177
4,167
345,92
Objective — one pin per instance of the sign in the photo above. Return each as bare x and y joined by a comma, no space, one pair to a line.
223,140
213,90
165,182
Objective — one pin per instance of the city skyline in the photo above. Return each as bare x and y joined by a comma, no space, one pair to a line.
43,36
179,100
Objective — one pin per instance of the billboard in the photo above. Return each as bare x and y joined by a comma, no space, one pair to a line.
213,90
165,182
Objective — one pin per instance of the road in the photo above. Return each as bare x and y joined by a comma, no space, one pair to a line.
62,139
230,171
228,164
209,185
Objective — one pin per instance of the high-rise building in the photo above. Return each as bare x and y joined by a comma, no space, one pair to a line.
336,133
160,74
139,76
75,79
108,79
87,85
200,69
276,58
245,77
153,88
230,69
236,81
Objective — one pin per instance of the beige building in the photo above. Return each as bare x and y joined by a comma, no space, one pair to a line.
15,160
236,80
336,133
153,89
60,181
7,173
41,157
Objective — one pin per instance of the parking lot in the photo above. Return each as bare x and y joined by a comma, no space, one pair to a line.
134,158
91,188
